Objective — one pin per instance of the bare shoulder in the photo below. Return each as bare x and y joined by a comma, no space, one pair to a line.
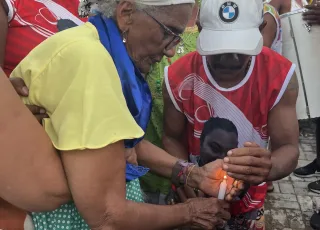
4,6
290,95
293,83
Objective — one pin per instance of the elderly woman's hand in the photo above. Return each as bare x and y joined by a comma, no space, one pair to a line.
208,179
23,91
213,176
208,213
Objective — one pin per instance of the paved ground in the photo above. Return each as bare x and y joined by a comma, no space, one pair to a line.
290,206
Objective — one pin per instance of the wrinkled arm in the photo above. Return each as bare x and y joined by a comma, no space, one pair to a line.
31,174
269,32
284,133
97,183
174,128
155,158
3,29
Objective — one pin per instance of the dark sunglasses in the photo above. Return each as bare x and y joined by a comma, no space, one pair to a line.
176,38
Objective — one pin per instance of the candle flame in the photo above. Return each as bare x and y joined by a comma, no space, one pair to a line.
225,177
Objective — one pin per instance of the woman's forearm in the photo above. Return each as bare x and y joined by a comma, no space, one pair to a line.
97,183
162,163
138,216
153,157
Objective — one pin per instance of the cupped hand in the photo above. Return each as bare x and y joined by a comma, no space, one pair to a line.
23,91
251,164
208,213
312,16
212,175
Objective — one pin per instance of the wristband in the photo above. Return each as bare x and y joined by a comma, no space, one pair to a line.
179,172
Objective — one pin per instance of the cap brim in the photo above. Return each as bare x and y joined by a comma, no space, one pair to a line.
248,42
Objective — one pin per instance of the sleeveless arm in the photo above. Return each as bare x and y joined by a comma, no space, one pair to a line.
175,122
284,132
269,32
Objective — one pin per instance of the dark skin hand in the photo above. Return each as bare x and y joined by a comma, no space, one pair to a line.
312,16
3,29
255,164
23,91
251,163
187,192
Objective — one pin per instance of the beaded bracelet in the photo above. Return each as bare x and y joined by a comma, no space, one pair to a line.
179,172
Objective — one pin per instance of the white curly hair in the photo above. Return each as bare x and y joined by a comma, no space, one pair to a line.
105,7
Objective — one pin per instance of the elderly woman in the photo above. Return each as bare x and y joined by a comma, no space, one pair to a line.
90,83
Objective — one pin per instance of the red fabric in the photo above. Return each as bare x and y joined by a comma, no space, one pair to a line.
31,24
196,94
255,193
11,217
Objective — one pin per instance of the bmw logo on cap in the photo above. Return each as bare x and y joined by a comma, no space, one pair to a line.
229,12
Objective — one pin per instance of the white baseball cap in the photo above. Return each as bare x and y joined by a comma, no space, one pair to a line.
230,27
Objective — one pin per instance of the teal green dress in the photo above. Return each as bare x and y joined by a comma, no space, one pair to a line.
67,216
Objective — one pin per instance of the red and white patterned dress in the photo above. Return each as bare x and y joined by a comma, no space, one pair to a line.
31,22
196,94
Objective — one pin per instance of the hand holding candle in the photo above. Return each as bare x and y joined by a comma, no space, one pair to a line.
209,179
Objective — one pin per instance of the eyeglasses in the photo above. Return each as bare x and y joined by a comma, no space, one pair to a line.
176,38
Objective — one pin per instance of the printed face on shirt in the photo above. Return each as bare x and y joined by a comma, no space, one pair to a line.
216,145
219,135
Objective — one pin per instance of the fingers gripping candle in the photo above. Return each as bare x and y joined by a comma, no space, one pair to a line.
223,188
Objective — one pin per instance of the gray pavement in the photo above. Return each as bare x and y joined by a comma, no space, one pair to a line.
291,205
